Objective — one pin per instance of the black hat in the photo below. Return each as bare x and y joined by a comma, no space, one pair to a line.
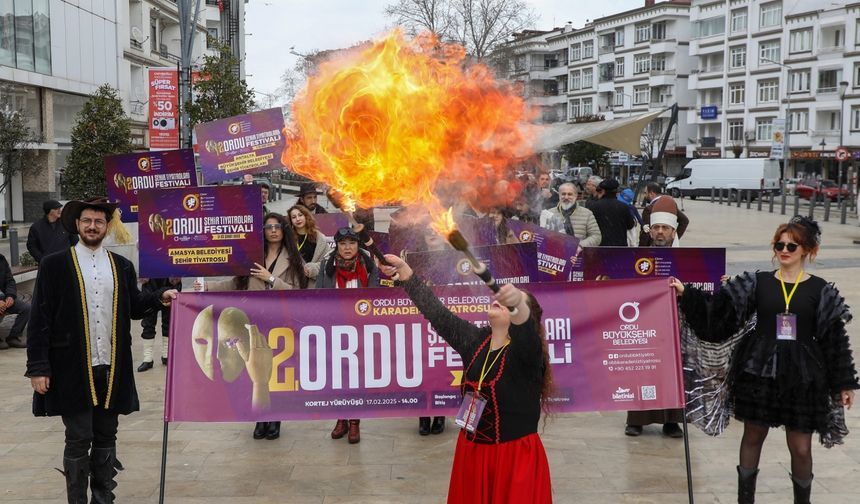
73,210
51,205
345,233
609,185
307,188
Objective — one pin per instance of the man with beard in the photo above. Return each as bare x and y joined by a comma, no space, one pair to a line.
308,198
662,234
659,202
572,218
79,346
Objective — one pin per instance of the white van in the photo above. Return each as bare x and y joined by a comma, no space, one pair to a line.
700,175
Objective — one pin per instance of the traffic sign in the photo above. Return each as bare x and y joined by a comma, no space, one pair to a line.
843,154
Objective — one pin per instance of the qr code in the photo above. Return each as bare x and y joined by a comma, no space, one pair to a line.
649,393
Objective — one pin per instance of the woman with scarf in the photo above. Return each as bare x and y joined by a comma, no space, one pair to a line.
347,267
771,347
507,381
283,269
310,240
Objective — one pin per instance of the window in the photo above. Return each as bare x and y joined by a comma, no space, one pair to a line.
619,37
586,107
66,108
739,20
768,52
828,80
619,97
770,15
25,35
641,95
27,99
575,79
619,67
7,33
709,27
833,121
587,78
855,118
800,41
764,129
588,49
211,38
738,57
798,121
658,31
658,63
736,130
737,93
799,81
574,108
643,32
641,63
768,91
153,34
856,75
575,52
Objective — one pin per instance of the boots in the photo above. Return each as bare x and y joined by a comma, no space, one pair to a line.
273,431
746,485
354,432
438,425
424,425
260,430
77,472
340,429
164,346
802,490
146,365
103,466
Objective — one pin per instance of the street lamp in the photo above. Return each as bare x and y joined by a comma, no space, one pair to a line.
787,149
843,87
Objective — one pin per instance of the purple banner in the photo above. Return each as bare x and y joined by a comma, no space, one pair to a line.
364,353
702,267
248,143
201,231
126,174
515,263
556,252
329,223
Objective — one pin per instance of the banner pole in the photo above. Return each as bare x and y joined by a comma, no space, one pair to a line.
686,457
164,464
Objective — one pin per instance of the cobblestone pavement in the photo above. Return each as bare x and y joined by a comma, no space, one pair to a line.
590,458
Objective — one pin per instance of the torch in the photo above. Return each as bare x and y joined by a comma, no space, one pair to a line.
338,199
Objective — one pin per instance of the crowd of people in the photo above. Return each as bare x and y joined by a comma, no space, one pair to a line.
791,369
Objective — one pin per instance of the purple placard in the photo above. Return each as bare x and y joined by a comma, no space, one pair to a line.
515,263
126,174
247,143
555,252
701,267
329,223
365,353
200,231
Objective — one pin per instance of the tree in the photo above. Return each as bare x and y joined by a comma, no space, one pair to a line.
416,16
101,129
15,137
584,153
219,92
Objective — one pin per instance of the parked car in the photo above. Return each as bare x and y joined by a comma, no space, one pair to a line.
578,174
820,189
646,177
791,185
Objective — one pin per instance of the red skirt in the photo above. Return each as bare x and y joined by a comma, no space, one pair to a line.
512,472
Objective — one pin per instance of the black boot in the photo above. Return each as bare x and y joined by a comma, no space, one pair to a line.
273,431
77,473
438,425
260,430
746,485
424,425
802,490
103,465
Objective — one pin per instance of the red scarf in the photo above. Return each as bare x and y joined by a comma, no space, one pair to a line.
342,276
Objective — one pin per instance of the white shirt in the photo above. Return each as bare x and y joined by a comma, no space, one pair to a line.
98,285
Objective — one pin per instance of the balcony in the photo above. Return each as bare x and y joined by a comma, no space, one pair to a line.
663,101
711,69
826,90
667,71
831,49
605,50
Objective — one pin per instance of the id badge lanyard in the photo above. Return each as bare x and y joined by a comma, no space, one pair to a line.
786,323
473,404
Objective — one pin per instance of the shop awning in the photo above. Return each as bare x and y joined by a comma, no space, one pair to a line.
617,134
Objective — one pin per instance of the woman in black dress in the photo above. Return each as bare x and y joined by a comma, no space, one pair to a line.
791,362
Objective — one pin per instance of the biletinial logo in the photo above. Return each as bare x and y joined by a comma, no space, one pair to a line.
191,202
234,128
144,164
362,307
644,266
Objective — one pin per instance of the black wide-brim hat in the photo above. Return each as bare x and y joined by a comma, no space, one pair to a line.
307,188
72,211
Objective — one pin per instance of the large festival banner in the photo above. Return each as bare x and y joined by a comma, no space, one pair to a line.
248,143
364,353
515,263
200,231
701,267
163,108
556,252
126,174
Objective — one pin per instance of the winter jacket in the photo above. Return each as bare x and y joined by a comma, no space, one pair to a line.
45,238
585,226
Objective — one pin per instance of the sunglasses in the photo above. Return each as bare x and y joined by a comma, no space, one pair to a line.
780,246
269,227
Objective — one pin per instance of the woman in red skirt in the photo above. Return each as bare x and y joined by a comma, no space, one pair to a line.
506,381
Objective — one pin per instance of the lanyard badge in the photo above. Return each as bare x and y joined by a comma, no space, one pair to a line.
786,323
473,404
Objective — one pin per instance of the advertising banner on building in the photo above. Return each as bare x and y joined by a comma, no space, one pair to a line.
365,353
127,174
702,267
516,263
556,252
777,144
200,231
248,143
163,108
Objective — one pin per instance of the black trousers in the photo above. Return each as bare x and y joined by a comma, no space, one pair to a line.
148,323
95,427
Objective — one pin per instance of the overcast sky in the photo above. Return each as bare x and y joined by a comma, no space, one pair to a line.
273,26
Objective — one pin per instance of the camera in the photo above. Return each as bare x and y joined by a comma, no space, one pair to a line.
164,123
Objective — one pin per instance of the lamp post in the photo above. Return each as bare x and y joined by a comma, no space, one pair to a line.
843,87
787,148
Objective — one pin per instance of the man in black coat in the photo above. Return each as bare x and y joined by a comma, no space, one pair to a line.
47,235
308,198
79,347
613,217
11,305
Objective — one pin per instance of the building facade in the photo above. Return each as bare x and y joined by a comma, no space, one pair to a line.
759,63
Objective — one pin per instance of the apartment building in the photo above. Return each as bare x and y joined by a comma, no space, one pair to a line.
762,62
537,62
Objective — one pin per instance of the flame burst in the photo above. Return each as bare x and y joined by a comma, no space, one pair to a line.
444,223
403,121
